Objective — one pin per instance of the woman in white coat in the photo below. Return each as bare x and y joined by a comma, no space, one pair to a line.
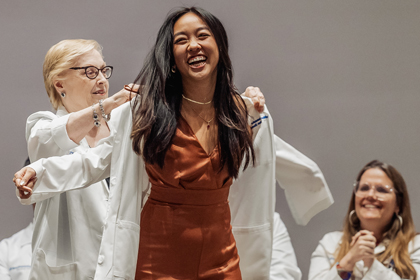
121,232
379,240
76,78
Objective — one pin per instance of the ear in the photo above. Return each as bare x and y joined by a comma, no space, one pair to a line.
59,86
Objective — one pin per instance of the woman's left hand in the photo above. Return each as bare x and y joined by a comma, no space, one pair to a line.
256,96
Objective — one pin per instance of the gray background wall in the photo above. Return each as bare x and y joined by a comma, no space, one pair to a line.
341,79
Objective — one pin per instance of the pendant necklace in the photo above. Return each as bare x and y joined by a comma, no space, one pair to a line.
208,122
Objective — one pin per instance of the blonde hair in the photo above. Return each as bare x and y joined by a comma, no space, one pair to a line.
397,237
61,57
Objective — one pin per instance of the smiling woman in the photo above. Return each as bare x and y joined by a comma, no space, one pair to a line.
76,80
193,146
379,240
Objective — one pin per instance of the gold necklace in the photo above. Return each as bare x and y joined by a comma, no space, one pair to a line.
196,102
208,122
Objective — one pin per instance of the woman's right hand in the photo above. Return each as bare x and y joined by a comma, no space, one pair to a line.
362,248
126,94
25,180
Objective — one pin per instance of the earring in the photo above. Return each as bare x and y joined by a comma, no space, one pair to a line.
173,69
400,219
63,94
350,217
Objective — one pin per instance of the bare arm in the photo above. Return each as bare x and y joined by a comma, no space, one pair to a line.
81,122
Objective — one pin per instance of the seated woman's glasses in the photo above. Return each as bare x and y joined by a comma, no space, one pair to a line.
381,192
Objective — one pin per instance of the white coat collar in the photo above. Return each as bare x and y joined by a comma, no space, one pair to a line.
61,111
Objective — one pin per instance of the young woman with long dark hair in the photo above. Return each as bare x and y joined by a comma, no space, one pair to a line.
187,133
190,126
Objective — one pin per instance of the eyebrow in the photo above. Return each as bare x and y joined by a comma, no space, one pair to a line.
198,29
102,65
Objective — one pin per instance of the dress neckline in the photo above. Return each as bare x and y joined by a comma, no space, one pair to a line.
212,152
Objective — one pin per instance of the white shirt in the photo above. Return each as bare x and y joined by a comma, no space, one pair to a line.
252,196
15,255
68,226
323,258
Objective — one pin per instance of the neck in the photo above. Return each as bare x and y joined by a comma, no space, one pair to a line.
201,91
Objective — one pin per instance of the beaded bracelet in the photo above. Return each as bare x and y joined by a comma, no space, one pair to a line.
344,274
96,121
104,116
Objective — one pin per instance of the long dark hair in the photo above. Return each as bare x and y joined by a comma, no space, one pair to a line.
157,108
397,237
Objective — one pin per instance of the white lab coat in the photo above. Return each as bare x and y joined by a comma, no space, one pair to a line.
323,258
252,196
15,255
68,226
283,261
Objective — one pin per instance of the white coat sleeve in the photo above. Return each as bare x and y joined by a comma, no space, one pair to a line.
306,190
46,135
322,259
283,261
379,271
59,174
4,263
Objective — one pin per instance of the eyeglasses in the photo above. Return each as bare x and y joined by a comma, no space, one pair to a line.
92,72
381,192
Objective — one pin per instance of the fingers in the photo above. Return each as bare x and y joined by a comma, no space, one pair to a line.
24,194
24,175
25,180
256,96
365,232
362,233
132,88
354,238
368,243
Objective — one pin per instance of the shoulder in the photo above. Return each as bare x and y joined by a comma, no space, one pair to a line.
332,239
414,244
18,239
47,115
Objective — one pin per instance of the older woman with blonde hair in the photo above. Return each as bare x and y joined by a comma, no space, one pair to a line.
68,225
379,240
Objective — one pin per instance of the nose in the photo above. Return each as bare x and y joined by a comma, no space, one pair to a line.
194,45
100,79
371,193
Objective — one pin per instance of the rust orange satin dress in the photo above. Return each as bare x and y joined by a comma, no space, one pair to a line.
185,230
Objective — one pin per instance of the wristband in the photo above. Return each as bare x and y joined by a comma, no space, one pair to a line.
344,274
96,121
104,116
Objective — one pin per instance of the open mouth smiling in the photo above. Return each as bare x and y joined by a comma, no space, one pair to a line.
371,206
99,92
197,61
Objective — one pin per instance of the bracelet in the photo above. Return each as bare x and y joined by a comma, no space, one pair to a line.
344,274
104,116
96,121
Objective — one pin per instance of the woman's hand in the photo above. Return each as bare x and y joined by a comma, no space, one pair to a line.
362,248
25,180
126,94
256,96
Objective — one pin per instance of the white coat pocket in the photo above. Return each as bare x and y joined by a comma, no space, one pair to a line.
126,249
42,270
254,248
